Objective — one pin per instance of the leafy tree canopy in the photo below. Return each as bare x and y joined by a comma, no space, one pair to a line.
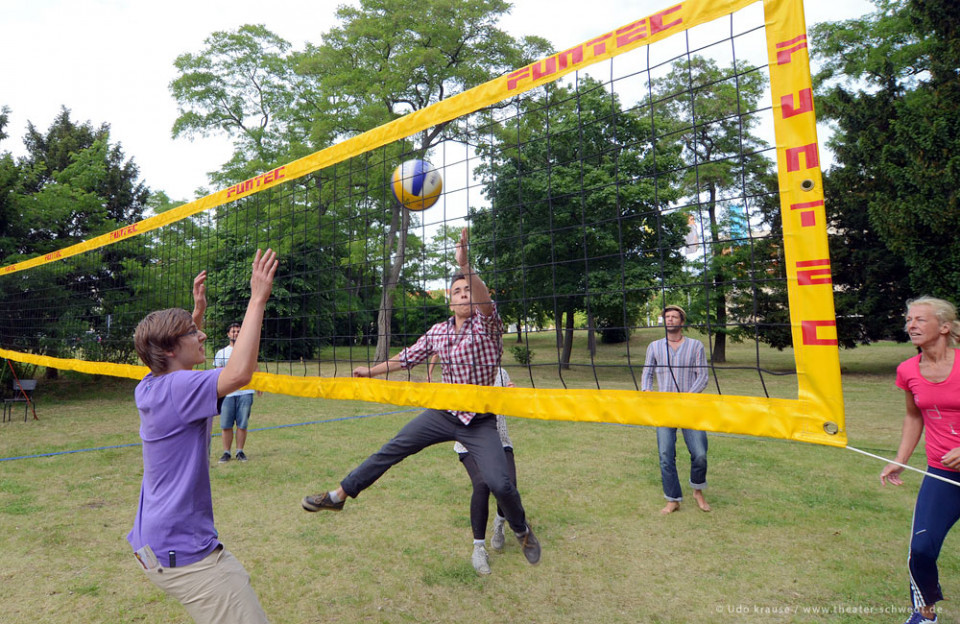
240,84
72,184
889,86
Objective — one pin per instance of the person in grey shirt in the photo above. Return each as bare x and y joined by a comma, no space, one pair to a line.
680,365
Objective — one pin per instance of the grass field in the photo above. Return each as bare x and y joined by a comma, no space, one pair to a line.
799,533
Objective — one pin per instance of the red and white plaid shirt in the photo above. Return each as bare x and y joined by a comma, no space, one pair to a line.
470,356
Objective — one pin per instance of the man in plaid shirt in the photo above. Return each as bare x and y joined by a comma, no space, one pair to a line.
469,345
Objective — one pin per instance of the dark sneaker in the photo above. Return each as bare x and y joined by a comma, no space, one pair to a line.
917,618
320,501
530,545
241,456
225,457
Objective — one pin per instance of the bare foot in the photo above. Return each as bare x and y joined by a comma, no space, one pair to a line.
701,501
671,507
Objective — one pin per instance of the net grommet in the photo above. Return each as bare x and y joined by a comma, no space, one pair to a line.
831,428
807,185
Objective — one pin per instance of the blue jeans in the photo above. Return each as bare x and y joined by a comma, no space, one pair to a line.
667,445
236,409
936,511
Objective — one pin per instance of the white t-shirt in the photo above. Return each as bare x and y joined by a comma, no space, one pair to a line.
220,360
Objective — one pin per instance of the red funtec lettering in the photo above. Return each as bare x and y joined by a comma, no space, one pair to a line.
808,218
549,67
805,106
599,44
785,51
817,273
808,329
571,57
810,154
656,20
632,32
514,78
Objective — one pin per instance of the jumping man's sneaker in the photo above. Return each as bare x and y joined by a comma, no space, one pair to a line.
241,456
225,457
481,563
530,545
917,618
497,541
320,501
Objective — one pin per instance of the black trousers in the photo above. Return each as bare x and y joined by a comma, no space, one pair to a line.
433,427
480,499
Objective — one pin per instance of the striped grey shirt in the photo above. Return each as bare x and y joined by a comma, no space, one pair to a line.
678,370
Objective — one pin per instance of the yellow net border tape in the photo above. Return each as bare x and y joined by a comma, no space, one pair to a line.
819,406
756,416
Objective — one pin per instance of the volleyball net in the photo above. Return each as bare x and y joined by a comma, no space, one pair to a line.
671,160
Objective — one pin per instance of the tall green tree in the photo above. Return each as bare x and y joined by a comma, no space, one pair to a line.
388,58
76,184
707,110
10,225
756,267
888,83
240,84
72,184
575,222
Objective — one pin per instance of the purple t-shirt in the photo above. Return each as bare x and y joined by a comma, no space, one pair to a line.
176,507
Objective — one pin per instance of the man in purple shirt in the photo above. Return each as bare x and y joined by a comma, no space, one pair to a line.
173,535
680,365
469,345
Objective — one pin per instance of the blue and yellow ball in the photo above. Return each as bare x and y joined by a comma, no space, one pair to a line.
416,184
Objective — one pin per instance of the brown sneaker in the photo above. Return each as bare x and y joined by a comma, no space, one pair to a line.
530,545
320,501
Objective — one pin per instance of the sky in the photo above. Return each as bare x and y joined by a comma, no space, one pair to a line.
111,61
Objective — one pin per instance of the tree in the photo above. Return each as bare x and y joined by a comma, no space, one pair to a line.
575,222
888,83
73,184
757,269
240,84
707,110
366,74
871,284
79,184
10,226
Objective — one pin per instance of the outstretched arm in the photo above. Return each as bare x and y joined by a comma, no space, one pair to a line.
393,364
479,294
409,357
243,361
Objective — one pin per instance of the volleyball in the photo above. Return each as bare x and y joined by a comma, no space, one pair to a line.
416,184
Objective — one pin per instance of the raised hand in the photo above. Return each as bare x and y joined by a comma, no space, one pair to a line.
261,279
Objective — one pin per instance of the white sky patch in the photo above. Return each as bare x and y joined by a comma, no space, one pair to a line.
111,61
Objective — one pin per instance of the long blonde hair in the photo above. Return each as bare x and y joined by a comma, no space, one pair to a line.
945,312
